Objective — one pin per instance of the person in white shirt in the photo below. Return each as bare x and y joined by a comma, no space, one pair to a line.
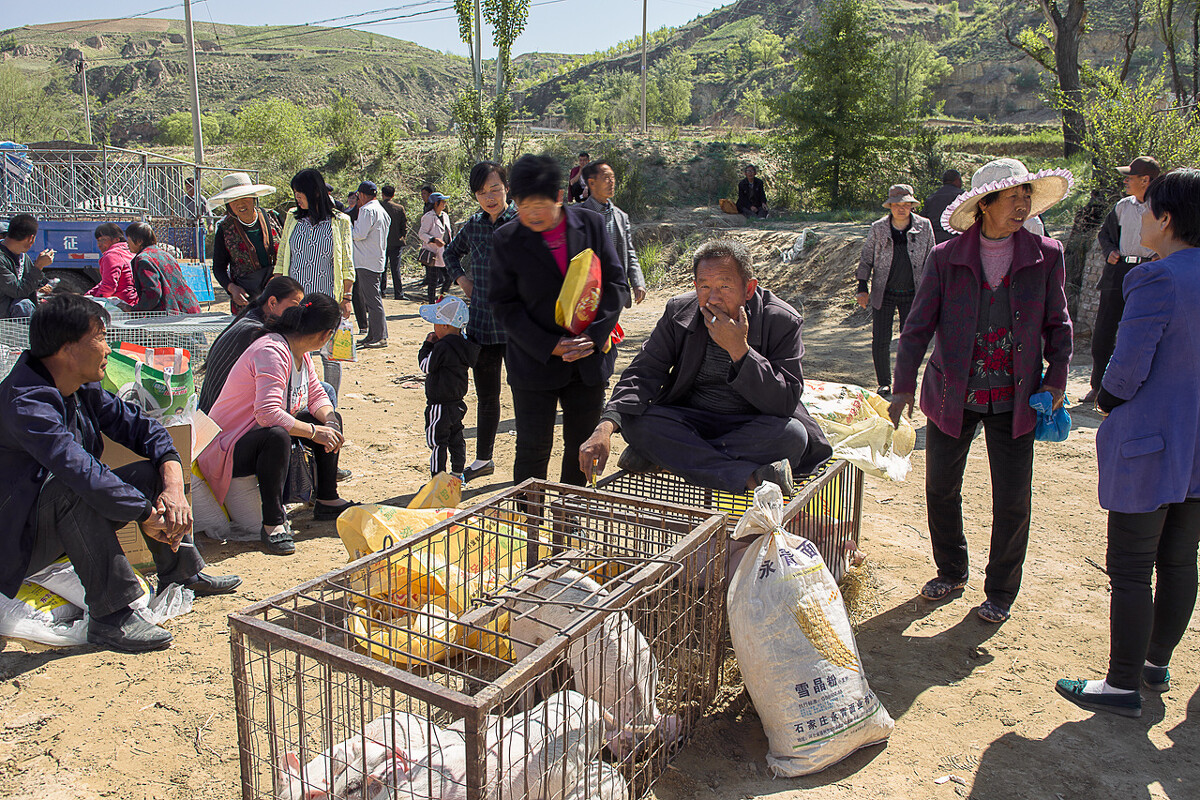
370,249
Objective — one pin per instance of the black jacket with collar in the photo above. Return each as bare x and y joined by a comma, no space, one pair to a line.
523,292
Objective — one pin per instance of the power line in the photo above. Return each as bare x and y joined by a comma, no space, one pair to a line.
89,23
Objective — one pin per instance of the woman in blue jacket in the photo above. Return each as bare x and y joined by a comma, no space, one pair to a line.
1149,454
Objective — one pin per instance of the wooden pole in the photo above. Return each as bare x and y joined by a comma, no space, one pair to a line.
197,133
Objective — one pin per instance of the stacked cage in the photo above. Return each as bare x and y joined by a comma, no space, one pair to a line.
552,642
825,507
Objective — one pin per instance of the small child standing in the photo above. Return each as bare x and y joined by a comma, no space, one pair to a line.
445,358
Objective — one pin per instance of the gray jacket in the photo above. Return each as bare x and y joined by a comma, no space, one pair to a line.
875,261
19,279
624,245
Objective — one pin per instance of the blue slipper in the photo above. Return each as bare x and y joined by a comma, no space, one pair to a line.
1127,705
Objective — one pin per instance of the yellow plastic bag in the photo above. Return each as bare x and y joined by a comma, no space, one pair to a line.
443,491
371,528
341,346
579,297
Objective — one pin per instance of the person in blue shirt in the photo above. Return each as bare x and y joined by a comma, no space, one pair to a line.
58,499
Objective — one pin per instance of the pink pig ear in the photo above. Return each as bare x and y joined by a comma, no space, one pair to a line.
315,794
290,763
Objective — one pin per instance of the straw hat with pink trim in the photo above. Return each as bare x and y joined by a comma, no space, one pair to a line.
1049,186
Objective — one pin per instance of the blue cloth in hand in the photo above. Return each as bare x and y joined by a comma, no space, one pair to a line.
1052,426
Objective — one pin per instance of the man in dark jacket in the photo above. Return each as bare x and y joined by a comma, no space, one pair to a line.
752,195
57,498
714,394
937,203
20,275
395,240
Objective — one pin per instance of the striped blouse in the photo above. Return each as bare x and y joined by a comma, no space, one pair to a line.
312,255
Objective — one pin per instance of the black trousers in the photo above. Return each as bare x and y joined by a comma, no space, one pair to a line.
67,525
487,394
392,265
1011,463
444,435
535,411
1146,624
1108,318
881,332
438,281
263,452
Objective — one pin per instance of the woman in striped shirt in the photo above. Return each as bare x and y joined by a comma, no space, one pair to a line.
315,249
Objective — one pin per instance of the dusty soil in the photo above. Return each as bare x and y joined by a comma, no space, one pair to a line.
971,701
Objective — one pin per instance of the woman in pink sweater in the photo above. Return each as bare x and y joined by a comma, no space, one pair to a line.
271,396
116,275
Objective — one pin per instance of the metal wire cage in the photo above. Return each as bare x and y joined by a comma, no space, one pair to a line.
825,508
552,642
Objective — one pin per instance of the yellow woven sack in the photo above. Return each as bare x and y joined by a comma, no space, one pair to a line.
443,491
370,528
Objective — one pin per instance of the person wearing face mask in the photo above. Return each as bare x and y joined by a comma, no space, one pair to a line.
995,300
547,365
714,394
246,242
893,258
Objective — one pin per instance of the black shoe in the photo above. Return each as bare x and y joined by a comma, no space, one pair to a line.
126,632
208,585
280,544
778,473
1127,705
325,513
1156,679
471,473
344,474
633,461
885,392
377,343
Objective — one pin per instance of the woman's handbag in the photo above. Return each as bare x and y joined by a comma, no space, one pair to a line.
298,488
426,257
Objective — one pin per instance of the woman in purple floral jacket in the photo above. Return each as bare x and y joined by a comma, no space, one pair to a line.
157,275
993,299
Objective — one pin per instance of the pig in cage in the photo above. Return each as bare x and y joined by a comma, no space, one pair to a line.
553,643
825,508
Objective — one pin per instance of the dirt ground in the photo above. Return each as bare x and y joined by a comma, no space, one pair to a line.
972,701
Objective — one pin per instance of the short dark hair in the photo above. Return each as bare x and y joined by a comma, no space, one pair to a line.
593,167
311,184
428,188
22,226
388,191
583,154
535,176
725,248
481,171
1178,193
63,319
141,232
951,176
110,230
317,313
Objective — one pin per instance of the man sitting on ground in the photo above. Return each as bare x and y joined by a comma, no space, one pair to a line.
59,499
714,394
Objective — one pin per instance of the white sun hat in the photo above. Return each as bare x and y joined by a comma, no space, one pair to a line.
1049,186
238,184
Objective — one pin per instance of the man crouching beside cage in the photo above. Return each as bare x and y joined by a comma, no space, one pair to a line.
56,498
714,394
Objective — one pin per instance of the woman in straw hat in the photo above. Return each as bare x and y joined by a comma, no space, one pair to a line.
994,298
247,240
1146,449
893,259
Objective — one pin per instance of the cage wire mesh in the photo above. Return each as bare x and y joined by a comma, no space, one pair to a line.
825,508
552,642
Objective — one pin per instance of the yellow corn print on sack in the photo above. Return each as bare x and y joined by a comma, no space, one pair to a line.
796,649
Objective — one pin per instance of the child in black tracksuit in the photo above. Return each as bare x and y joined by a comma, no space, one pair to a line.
445,358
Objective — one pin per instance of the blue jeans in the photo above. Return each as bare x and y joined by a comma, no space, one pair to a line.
718,451
331,392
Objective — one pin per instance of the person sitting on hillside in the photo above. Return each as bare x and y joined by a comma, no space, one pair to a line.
752,195
714,393
20,276
116,274
59,499
157,276
577,188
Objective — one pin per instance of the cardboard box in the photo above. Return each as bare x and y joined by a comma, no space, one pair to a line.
189,440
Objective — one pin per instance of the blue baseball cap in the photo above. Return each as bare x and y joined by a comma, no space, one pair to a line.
451,311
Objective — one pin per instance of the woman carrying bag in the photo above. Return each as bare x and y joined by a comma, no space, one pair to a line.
435,233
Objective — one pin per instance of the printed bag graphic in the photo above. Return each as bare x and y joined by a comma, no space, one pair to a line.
157,380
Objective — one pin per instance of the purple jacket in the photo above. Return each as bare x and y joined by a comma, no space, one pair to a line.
946,308
1149,447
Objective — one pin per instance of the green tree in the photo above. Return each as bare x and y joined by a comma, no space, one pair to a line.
274,135
837,120
345,126
29,108
388,132
755,106
508,19
765,49
916,69
176,129
669,89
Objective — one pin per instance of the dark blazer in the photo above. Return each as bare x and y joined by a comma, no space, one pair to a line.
525,285
1148,448
751,195
36,442
946,309
935,205
770,376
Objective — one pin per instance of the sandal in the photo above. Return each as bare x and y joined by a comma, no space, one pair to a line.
993,612
940,588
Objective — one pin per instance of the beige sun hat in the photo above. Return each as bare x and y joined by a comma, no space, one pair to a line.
900,193
238,184
1049,186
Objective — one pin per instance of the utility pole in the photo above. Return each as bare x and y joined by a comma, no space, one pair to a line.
81,68
196,132
644,66
478,56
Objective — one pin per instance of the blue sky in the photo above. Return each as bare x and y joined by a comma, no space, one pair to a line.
565,26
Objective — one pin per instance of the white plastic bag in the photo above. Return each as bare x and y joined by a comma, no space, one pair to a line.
239,520
61,579
39,615
797,652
